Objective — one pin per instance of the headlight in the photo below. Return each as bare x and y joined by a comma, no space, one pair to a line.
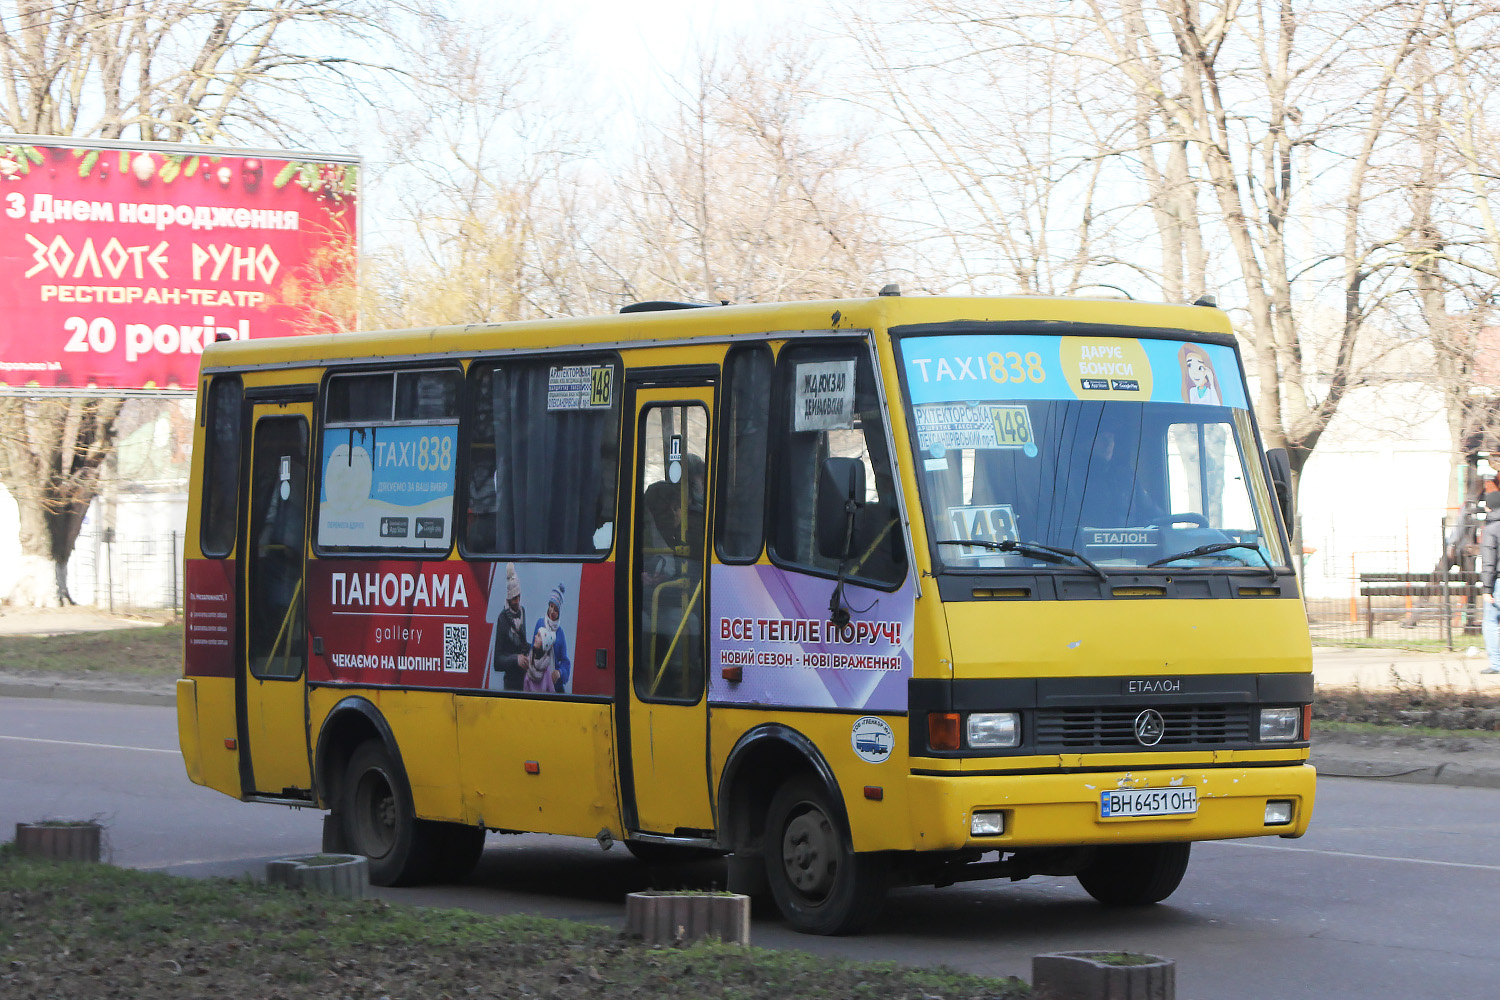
994,729
987,824
1279,725
1279,812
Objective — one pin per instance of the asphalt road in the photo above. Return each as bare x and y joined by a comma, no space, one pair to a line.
1394,893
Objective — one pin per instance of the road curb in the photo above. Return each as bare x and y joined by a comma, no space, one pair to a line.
12,688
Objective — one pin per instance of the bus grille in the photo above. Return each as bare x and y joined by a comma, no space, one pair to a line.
1186,726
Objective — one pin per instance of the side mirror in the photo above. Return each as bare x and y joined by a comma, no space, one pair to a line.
841,492
1281,479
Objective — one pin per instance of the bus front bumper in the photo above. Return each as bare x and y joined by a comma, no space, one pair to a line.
1050,810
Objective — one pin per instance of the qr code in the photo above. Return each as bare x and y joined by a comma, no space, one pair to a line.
456,648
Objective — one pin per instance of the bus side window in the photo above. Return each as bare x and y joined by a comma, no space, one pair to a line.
742,478
826,406
542,459
221,467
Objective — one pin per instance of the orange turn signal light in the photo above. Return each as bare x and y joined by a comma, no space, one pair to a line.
1307,722
231,744
875,793
942,730
533,767
732,674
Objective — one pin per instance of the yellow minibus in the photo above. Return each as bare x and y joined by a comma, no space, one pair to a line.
887,591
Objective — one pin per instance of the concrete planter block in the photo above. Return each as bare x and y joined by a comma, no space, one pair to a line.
346,875
1103,975
60,841
679,917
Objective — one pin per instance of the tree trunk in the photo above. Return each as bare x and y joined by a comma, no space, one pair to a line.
50,454
46,544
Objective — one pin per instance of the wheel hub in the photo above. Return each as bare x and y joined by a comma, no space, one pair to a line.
809,853
375,815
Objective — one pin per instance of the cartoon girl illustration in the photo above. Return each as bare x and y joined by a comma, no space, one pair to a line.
1200,383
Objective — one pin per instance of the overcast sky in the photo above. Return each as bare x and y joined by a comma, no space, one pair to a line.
633,48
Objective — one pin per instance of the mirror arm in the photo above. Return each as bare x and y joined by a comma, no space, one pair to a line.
838,611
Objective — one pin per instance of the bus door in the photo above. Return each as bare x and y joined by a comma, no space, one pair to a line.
664,736
272,669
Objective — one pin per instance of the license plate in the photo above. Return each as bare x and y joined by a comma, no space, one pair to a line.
1148,802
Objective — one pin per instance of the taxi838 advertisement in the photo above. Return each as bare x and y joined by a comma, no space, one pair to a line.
117,265
387,487
972,367
543,628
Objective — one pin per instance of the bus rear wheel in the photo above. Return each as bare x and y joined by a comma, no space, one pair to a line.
379,821
1135,874
819,884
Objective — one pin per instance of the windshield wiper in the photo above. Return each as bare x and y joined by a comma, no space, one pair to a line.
1036,550
1206,550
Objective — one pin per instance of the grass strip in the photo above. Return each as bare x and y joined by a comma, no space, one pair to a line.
93,931
1410,706
1409,643
145,651
1388,729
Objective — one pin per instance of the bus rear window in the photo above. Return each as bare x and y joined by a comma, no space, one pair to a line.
221,473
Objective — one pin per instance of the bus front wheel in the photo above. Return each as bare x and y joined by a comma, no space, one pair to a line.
379,821
819,884
1135,874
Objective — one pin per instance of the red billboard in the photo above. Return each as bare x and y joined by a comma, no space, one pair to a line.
118,264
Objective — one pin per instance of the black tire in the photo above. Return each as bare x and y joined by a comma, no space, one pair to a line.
335,841
819,884
454,849
379,821
665,855
1135,874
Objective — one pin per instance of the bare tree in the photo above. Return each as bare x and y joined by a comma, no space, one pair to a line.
1250,86
1452,243
495,198
204,70
1006,146
1249,143
750,193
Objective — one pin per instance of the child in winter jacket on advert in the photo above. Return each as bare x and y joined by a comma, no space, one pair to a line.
550,667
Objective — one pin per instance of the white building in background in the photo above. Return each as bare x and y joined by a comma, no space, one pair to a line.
1375,491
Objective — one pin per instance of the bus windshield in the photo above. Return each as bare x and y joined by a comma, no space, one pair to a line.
1087,452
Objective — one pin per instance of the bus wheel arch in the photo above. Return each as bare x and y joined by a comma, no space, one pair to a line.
761,762
351,722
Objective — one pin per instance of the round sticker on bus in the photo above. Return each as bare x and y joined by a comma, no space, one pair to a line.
872,739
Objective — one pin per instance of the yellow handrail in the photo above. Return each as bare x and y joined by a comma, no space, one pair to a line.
692,602
282,632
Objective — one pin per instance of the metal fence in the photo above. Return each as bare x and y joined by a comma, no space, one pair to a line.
128,574
1397,590
1392,608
